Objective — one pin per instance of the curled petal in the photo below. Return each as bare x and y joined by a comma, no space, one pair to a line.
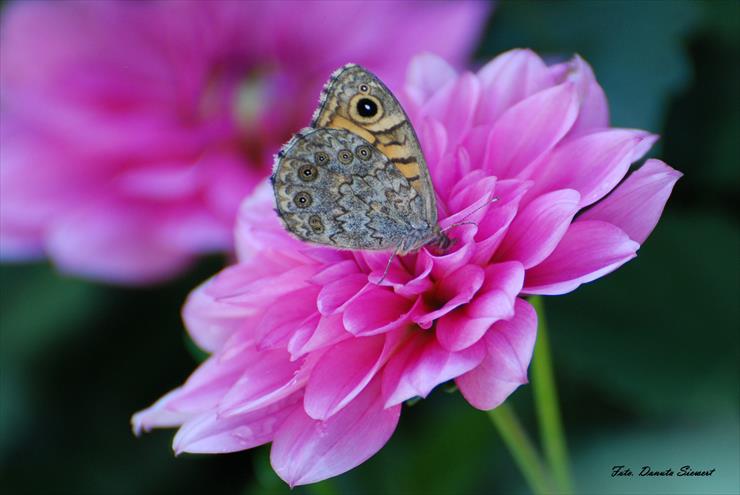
159,415
306,450
427,74
536,230
389,311
454,290
588,250
265,379
210,433
529,129
594,109
509,346
200,393
495,301
285,317
344,372
211,322
508,79
421,365
455,106
328,330
636,204
592,164
336,295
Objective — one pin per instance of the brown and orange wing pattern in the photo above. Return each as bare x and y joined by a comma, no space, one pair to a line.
355,100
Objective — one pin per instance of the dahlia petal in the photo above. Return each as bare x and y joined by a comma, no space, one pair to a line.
494,226
258,227
591,164
344,372
594,109
397,274
529,129
475,143
469,202
285,316
158,415
433,139
455,105
211,433
422,365
455,289
495,300
457,331
636,204
537,229
389,312
470,178
457,256
589,249
420,283
210,323
328,331
160,181
19,244
503,280
266,378
509,346
246,276
189,230
260,292
427,74
508,79
334,272
305,450
125,235
209,382
201,392
334,296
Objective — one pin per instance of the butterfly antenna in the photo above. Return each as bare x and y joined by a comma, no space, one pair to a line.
387,268
493,200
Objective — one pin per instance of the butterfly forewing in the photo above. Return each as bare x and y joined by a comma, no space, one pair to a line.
356,100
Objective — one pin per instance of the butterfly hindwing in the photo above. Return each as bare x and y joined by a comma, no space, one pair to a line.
356,100
332,187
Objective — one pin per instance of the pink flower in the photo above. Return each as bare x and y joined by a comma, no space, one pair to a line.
132,130
310,354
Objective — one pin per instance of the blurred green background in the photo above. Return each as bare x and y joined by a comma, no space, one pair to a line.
646,359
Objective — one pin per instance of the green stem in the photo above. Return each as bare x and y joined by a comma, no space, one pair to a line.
521,448
546,404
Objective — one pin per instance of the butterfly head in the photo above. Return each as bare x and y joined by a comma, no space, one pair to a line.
441,241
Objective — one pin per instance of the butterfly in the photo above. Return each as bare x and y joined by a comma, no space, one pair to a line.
357,178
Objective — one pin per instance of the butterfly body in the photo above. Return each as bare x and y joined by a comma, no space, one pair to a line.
357,179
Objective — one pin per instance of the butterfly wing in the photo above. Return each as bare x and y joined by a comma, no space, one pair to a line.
356,100
333,188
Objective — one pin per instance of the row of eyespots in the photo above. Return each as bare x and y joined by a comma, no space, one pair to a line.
309,172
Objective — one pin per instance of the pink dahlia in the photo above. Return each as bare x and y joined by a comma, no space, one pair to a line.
309,353
131,131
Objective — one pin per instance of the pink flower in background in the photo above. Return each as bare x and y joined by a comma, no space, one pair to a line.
308,353
132,130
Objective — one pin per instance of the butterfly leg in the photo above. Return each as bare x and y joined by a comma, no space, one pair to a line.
387,267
